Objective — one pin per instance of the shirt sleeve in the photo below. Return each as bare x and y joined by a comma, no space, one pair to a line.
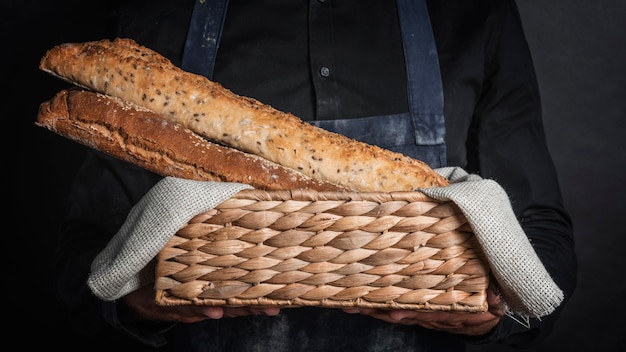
511,148
102,194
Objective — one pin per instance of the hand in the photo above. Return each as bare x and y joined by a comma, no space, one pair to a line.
471,324
142,305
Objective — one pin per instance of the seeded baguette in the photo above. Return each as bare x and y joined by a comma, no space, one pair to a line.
136,74
136,135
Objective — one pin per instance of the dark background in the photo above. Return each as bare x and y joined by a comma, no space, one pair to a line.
579,47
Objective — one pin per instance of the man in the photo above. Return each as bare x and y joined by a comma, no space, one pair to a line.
447,82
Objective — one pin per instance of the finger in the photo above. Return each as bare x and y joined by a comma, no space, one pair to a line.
400,315
351,310
193,314
271,311
213,312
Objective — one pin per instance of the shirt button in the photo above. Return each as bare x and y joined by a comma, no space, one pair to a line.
325,71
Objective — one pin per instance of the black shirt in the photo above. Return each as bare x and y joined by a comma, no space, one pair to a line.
317,60
491,105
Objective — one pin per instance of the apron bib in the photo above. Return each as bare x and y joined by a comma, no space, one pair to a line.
420,133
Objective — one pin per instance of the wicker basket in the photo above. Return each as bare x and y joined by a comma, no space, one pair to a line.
399,250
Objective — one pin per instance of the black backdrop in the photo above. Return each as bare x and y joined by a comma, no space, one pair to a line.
579,48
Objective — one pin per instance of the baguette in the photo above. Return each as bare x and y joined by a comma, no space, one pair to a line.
136,74
141,137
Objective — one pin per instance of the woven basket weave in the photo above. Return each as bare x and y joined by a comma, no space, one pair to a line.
398,250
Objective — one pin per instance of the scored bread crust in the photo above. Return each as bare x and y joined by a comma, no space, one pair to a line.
142,137
139,75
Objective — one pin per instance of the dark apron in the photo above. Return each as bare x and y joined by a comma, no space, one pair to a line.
419,133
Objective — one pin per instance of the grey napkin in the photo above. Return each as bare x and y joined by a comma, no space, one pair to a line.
125,264
525,284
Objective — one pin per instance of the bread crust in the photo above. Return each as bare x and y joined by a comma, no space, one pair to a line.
142,137
136,74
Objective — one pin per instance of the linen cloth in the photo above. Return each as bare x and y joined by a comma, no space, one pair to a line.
523,281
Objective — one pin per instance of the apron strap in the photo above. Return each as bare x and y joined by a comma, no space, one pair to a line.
203,37
423,74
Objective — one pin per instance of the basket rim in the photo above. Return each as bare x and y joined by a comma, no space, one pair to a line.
306,194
